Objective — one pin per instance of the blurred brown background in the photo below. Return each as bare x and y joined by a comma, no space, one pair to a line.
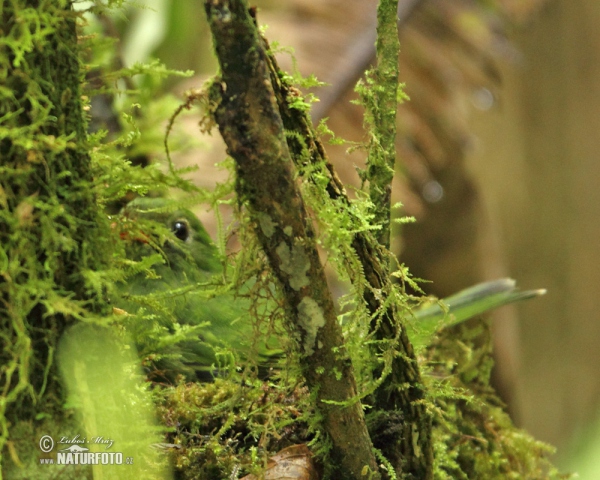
537,162
498,160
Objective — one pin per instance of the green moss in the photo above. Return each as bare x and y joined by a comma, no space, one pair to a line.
223,426
474,436
51,229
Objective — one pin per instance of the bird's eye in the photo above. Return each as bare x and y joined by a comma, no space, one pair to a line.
181,230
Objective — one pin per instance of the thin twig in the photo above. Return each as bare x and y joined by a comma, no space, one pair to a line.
354,61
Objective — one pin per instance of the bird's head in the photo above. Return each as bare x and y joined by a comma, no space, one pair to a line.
176,233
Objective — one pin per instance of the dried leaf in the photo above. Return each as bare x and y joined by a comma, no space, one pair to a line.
291,463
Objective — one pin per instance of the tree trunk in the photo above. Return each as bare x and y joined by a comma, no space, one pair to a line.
51,230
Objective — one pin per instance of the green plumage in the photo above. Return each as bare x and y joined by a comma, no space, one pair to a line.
185,322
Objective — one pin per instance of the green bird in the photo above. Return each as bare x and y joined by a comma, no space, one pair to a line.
171,298
185,322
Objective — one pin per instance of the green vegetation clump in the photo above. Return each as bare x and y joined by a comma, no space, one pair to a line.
474,436
217,428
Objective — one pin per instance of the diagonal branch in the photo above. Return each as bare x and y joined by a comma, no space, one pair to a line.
249,121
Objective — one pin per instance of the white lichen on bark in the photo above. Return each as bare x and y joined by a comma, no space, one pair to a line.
295,263
311,318
267,225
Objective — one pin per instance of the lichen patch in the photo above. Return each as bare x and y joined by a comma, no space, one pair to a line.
267,225
310,318
295,263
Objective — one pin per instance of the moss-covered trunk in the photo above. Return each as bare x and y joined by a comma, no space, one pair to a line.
51,234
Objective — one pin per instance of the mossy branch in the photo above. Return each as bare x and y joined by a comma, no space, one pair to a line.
52,233
249,121
379,93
